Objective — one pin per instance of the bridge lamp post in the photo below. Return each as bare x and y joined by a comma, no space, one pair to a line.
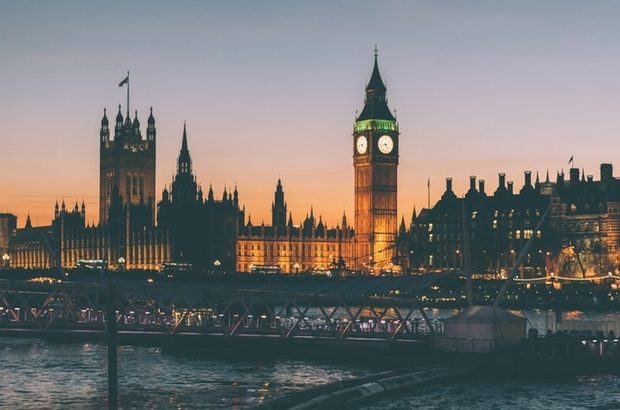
5,259
217,264
296,266
121,263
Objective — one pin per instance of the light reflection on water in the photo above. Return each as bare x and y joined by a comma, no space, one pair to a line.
37,374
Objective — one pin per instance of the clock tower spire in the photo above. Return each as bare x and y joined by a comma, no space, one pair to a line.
375,162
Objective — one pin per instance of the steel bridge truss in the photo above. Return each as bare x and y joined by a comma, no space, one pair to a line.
178,309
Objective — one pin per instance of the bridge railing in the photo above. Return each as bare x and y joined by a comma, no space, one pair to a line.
184,309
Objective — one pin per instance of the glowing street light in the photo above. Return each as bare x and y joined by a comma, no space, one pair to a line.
6,258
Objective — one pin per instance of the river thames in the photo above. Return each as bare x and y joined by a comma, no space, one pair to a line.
41,374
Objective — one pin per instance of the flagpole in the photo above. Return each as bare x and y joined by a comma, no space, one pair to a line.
127,94
428,188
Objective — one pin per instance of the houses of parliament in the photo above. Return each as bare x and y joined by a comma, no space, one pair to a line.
210,231
207,230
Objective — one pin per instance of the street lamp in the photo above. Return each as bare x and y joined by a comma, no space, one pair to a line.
6,258
121,262
217,264
296,266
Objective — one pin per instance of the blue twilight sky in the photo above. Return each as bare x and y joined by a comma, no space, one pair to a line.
270,88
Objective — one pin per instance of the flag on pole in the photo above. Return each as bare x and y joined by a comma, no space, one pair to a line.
125,81
570,161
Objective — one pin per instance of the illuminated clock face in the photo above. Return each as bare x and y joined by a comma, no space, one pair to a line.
362,144
385,144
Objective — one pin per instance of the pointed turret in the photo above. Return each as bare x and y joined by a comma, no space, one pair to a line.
320,228
236,198
118,127
56,210
135,127
150,129
375,106
28,222
119,117
278,208
290,220
184,163
210,193
414,217
376,82
104,133
200,195
402,229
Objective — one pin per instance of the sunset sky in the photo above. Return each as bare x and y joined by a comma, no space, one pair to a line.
269,89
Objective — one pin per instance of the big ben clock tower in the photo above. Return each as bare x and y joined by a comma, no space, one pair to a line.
375,160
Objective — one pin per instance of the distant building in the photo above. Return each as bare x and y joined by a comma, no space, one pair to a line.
306,246
126,236
8,225
580,237
203,231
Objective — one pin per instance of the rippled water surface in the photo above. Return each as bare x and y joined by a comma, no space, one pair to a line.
37,374
583,392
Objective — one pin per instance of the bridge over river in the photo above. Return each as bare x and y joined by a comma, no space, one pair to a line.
362,310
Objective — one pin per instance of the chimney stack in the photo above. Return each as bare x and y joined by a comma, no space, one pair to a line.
502,180
528,178
510,187
481,186
472,183
449,184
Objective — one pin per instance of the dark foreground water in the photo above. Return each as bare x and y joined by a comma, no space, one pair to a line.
582,392
35,374
38,375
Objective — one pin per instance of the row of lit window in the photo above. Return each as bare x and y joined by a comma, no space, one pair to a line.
283,247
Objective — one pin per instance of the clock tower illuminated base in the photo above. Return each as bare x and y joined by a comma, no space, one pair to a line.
375,160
